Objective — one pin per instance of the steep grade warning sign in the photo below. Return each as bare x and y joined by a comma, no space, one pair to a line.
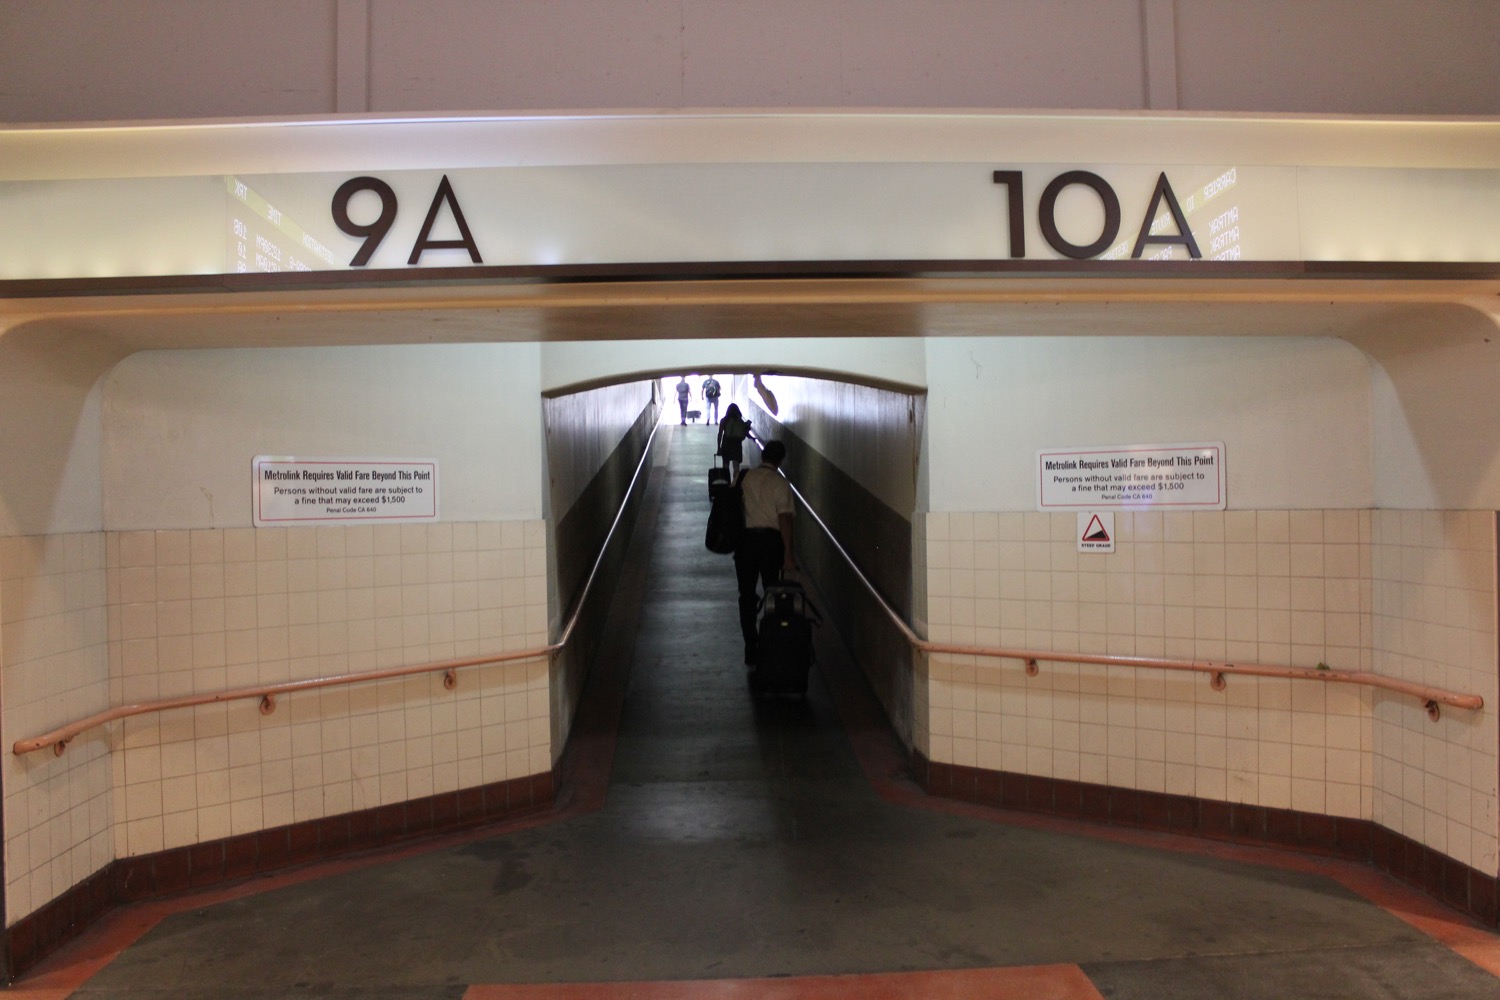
330,490
1171,476
1096,531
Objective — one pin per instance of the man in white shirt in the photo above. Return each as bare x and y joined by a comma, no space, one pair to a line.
765,550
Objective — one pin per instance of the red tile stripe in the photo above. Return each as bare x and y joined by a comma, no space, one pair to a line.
1034,982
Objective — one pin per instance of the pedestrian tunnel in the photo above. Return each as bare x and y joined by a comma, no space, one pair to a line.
854,455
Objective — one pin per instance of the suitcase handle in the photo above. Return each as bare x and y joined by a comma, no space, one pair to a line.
805,606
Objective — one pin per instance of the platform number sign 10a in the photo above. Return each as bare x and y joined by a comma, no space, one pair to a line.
1047,216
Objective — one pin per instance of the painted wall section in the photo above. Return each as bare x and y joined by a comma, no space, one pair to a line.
582,431
595,443
51,430
1436,415
61,60
871,435
1285,54
1293,413
182,427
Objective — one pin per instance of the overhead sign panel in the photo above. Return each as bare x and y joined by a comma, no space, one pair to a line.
1132,477
757,212
585,215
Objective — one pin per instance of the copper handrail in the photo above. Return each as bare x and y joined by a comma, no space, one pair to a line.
1432,697
59,738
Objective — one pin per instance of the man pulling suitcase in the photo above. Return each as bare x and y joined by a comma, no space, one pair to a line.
765,549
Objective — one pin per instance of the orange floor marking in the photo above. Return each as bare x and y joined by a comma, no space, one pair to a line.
1452,930
1032,982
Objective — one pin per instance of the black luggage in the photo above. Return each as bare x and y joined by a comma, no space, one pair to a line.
726,521
718,481
783,647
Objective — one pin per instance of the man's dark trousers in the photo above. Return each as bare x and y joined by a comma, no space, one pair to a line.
758,558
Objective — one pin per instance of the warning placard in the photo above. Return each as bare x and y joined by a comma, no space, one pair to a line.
1171,476
1096,531
329,490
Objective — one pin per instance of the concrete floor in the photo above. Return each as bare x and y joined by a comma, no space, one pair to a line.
753,841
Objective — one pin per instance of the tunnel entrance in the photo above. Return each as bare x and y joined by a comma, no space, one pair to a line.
690,720
854,457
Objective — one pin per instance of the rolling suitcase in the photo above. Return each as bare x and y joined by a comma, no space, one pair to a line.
726,521
783,649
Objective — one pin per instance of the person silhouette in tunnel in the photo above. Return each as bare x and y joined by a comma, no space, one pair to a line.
765,549
711,392
733,430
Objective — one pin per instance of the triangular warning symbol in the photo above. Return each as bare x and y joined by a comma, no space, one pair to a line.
1095,531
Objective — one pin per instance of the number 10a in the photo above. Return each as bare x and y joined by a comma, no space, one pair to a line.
1046,211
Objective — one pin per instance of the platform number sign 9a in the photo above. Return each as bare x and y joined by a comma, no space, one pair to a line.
374,231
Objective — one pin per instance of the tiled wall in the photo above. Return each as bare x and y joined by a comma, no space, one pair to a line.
204,610
1411,594
54,649
1276,587
1434,617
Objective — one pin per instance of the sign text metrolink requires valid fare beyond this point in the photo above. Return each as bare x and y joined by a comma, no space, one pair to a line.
1170,476
324,491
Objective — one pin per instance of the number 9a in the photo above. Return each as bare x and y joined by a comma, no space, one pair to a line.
375,232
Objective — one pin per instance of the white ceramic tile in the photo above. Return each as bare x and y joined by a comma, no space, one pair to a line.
1298,587
197,610
1408,592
